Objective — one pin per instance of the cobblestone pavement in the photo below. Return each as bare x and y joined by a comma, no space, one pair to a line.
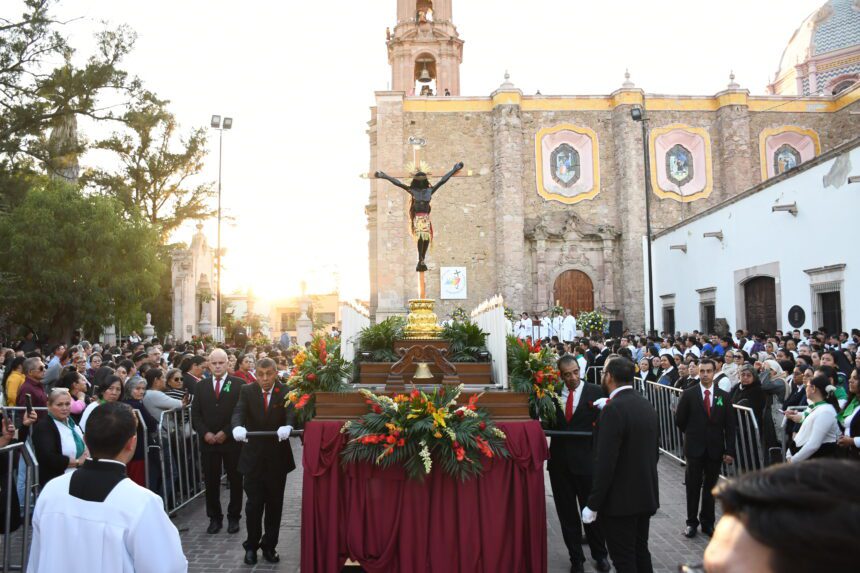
223,552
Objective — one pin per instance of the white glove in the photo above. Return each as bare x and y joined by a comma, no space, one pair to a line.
240,434
600,403
588,516
284,432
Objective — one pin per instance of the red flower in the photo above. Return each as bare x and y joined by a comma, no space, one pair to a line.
276,390
312,377
401,442
391,439
303,401
377,409
460,413
473,400
415,394
482,426
456,444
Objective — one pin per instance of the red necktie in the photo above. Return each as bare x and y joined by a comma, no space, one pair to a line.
568,408
217,388
708,403
265,401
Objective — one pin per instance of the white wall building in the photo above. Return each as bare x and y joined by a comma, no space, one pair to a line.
754,259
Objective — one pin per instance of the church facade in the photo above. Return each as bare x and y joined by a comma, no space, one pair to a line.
553,207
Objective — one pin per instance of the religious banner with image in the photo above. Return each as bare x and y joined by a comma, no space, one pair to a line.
681,163
566,163
454,283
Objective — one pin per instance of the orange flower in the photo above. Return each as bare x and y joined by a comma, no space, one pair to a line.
303,401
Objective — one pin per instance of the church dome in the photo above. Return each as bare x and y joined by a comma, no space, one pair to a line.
823,55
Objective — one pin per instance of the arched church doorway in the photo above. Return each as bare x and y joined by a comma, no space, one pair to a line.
574,290
760,304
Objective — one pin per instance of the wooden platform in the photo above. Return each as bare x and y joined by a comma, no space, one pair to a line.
501,405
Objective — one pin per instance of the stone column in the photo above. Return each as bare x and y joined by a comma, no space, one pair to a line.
609,274
390,246
630,190
508,195
541,272
733,146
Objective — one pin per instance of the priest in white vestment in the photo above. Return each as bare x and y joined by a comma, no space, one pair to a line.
95,519
568,328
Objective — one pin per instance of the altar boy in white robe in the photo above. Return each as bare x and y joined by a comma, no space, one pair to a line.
121,526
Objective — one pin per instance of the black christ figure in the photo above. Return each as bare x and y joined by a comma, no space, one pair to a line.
419,209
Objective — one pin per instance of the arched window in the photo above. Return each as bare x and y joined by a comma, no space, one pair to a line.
424,11
842,83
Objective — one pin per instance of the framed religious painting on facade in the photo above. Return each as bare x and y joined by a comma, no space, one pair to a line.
785,147
681,162
567,163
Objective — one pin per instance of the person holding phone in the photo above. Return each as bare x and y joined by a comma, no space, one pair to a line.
34,372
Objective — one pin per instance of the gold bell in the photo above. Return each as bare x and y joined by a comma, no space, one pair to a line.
423,372
425,77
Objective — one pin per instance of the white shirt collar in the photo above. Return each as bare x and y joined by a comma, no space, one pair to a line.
619,389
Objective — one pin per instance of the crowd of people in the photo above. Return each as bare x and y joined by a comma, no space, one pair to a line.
53,395
802,387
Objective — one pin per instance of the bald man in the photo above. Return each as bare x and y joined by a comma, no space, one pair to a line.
214,401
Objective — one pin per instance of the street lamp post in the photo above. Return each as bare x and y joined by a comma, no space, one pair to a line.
638,114
216,123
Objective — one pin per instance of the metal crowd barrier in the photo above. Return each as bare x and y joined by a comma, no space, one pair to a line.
749,453
181,468
20,539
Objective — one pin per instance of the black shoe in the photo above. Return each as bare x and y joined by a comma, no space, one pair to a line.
577,567
250,557
690,532
232,525
214,526
271,555
602,565
709,531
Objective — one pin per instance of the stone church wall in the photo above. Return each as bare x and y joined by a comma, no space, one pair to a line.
515,242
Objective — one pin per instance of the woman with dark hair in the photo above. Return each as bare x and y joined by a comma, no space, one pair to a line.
13,378
849,420
245,369
668,373
95,364
76,384
819,429
155,400
110,390
749,393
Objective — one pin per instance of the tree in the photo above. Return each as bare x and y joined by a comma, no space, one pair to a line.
35,98
155,177
73,260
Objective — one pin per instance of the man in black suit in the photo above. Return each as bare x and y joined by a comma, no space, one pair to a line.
596,356
265,460
211,412
624,493
706,417
571,464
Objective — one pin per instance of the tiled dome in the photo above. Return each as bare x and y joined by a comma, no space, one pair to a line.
832,28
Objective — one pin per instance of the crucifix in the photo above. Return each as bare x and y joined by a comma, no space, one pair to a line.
419,209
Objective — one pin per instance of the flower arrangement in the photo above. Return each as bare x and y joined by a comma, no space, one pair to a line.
532,370
509,314
420,429
591,322
319,369
556,310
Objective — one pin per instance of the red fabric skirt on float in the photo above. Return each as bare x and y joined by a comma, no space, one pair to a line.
388,523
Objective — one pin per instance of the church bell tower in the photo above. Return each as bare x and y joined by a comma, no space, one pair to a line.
424,50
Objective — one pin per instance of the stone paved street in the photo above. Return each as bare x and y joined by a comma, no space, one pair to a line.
223,552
